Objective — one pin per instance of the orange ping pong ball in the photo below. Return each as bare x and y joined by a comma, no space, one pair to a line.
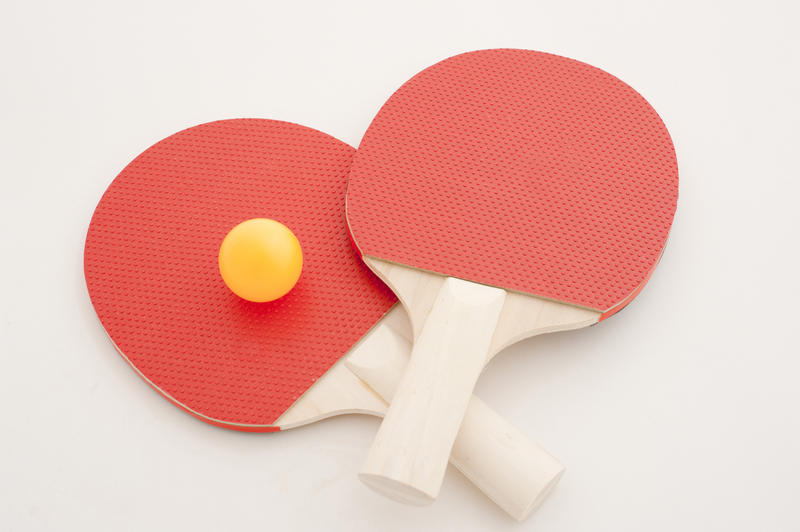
260,260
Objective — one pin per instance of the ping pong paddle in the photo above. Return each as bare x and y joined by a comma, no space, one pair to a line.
501,194
151,270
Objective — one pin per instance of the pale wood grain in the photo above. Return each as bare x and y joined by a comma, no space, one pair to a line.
512,470
458,327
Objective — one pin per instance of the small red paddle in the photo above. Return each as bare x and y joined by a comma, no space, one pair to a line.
152,270
500,194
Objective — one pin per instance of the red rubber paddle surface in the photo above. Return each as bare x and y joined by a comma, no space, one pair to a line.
521,170
151,268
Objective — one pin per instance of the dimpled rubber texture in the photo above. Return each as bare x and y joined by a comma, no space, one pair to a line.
151,268
517,169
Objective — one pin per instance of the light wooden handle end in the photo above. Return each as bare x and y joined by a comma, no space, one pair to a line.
408,458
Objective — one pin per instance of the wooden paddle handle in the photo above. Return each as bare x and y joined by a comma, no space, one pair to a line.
409,456
512,470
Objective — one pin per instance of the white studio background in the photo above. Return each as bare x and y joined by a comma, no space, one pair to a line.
682,413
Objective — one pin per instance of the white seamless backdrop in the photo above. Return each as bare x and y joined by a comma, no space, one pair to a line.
681,413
